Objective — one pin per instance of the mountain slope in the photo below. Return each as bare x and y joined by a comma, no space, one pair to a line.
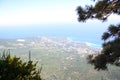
61,58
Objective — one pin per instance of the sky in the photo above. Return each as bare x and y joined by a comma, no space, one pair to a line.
27,18
30,12
26,12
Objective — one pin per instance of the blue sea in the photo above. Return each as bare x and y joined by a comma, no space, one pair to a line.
94,43
77,33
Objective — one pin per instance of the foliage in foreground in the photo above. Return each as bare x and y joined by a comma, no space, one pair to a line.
12,68
110,53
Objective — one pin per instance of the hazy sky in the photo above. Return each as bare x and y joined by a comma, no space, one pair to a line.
25,12
36,17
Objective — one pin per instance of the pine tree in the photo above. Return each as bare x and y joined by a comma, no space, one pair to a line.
110,53
12,68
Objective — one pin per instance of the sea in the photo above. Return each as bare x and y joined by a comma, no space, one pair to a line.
91,36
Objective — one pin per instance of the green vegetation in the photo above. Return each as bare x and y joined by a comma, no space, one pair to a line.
59,64
12,68
110,53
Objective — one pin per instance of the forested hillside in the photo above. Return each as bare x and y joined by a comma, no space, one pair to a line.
61,59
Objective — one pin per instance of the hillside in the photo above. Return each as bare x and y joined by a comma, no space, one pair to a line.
61,58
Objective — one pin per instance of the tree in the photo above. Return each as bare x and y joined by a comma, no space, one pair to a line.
110,53
102,10
12,68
